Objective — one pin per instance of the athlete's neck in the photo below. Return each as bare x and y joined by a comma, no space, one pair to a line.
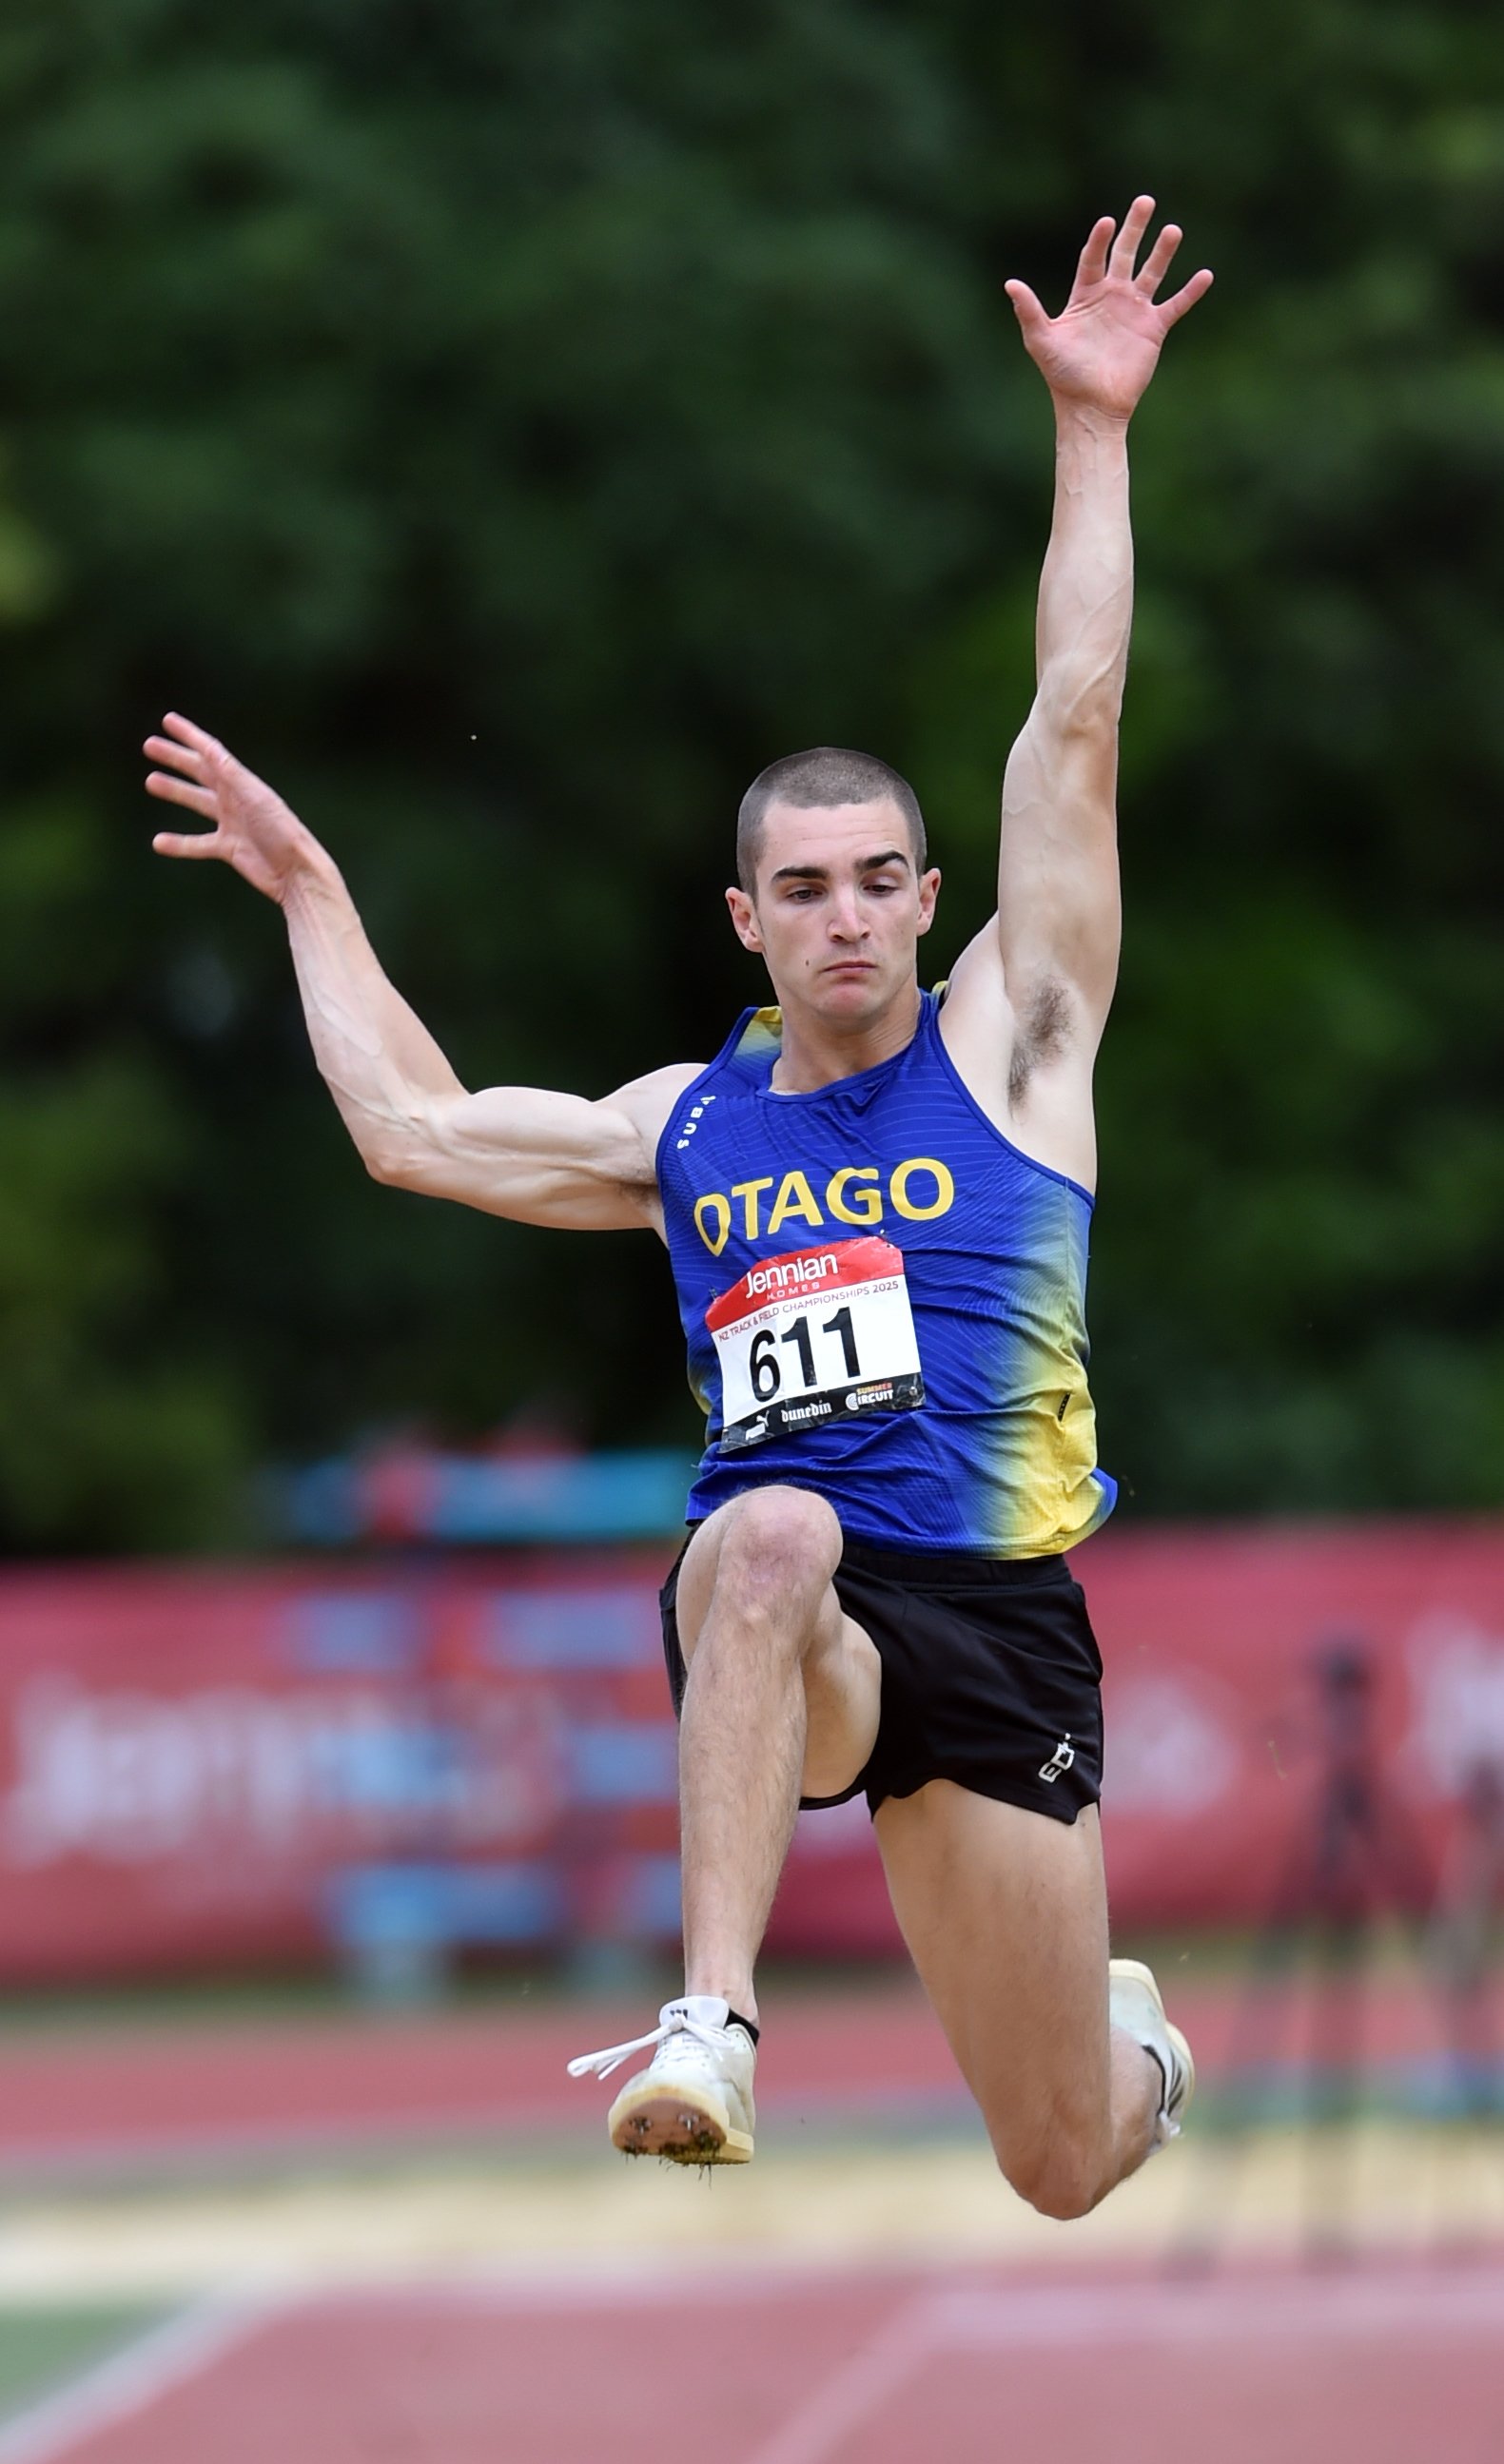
815,1052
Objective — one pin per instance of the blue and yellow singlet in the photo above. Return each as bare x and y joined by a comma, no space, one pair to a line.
884,1301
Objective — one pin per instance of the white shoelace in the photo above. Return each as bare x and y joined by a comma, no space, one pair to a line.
692,2017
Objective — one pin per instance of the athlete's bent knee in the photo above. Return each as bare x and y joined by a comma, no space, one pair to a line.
776,1540
1064,2181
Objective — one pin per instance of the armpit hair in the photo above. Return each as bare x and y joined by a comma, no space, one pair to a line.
1044,1032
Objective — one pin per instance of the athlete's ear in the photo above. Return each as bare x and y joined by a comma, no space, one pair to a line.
743,915
929,891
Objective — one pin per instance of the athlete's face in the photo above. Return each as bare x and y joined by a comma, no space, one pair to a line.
838,908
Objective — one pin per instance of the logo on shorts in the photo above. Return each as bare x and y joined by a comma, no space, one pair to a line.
1060,1760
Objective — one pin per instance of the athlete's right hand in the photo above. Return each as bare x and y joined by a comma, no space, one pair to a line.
253,829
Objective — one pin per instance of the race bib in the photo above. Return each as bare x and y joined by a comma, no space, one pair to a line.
818,1335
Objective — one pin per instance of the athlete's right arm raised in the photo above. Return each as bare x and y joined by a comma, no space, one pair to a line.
515,1150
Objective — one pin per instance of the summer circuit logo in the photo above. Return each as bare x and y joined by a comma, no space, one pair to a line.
1060,1760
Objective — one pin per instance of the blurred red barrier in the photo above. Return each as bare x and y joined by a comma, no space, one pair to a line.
1220,1731
225,1767
217,1767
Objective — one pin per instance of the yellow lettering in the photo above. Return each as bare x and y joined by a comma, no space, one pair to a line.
865,1206
795,1197
715,1207
944,1189
746,1190
852,1195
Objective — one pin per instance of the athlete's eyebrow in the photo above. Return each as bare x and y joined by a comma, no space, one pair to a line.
822,872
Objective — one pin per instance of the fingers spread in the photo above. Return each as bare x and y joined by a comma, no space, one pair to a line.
1125,247
1026,307
186,732
182,757
182,843
1174,308
181,791
1093,265
1157,264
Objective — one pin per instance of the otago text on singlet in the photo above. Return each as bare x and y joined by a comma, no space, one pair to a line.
883,1301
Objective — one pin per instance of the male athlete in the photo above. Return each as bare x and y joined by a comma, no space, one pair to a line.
877,1204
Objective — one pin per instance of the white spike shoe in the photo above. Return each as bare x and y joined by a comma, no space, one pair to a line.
693,2102
1136,2006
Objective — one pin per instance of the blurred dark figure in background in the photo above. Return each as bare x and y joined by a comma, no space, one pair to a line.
1362,1857
1469,1899
1354,1861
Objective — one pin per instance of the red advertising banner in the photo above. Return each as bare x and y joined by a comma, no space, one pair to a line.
1252,1673
219,1768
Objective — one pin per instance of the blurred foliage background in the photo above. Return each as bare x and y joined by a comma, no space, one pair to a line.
509,426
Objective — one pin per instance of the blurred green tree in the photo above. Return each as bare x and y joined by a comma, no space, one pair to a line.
510,427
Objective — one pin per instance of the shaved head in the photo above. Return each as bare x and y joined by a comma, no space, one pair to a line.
829,774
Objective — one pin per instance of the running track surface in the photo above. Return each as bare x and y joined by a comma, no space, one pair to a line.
1384,2364
76,2101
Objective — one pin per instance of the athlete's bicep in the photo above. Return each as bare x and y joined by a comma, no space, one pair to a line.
1059,917
1029,997
539,1156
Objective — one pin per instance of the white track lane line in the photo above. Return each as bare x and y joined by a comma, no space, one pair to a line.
851,2396
1433,2307
1437,2305
1428,2308
127,2382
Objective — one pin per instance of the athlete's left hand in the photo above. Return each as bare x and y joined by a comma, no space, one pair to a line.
1101,351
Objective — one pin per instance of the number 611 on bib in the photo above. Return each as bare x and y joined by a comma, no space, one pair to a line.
817,1335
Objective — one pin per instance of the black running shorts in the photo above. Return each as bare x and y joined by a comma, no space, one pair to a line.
991,1676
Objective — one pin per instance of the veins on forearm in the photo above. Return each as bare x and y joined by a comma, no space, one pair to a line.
1086,588
378,1061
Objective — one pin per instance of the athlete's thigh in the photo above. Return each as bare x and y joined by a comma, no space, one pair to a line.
1004,1913
796,1534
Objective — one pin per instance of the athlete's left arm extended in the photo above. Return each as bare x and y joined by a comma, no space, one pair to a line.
1057,922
